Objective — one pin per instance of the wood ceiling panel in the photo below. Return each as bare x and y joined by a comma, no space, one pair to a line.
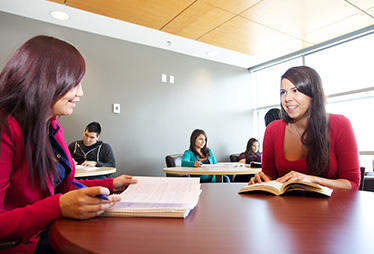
340,28
299,17
197,20
261,28
233,6
149,13
242,35
57,1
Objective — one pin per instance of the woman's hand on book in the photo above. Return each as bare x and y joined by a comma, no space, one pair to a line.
259,178
293,176
122,182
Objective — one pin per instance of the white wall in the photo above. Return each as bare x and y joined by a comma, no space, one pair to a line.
156,118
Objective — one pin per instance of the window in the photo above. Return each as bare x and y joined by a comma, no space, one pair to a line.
347,74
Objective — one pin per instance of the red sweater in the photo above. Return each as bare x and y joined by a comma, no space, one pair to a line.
26,209
344,160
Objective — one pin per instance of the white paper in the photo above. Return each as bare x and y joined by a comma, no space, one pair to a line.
161,192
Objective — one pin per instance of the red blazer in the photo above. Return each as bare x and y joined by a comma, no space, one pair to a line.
26,209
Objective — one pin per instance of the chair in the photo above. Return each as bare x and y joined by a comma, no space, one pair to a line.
234,157
174,160
369,182
6,244
362,174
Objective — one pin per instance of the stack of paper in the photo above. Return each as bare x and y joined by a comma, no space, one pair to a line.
158,197
84,168
224,165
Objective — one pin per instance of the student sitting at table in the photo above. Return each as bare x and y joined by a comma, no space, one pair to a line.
42,81
309,144
90,152
200,154
251,154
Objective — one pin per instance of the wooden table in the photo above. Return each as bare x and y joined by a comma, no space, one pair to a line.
94,172
226,222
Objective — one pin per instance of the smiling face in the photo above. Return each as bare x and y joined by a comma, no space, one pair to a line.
66,104
200,141
295,103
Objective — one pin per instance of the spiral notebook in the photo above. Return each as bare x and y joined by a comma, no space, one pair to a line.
158,197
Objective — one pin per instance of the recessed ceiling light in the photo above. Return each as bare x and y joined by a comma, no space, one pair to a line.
212,53
60,15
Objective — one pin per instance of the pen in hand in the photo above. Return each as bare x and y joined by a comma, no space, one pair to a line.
81,186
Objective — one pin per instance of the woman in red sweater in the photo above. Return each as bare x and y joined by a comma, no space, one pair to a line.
42,81
309,144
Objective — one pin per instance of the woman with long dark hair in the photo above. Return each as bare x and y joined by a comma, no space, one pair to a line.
40,82
251,152
309,144
199,154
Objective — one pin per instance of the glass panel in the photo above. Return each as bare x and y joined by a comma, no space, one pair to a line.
345,67
268,82
360,117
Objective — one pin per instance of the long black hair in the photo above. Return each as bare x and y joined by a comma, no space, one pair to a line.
316,135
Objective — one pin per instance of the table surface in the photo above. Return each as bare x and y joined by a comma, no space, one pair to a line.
94,172
227,222
212,170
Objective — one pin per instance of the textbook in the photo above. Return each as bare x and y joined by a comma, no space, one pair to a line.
158,197
255,164
278,188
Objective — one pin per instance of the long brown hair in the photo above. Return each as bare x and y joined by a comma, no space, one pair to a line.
316,134
248,150
39,73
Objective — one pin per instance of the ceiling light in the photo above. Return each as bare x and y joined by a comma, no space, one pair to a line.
60,15
212,53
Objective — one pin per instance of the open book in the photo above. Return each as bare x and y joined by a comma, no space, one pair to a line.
278,188
158,197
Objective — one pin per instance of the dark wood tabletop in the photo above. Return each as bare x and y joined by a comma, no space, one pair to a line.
227,222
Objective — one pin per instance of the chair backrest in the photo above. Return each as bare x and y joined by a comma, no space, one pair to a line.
174,160
234,157
362,172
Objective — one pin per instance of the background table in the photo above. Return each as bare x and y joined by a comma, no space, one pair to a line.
226,222
212,170
95,172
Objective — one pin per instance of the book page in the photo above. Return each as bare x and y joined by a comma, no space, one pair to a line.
271,186
313,187
162,190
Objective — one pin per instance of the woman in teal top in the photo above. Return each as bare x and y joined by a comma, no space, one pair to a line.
199,154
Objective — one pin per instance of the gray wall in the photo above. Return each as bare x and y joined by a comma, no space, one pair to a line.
156,118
